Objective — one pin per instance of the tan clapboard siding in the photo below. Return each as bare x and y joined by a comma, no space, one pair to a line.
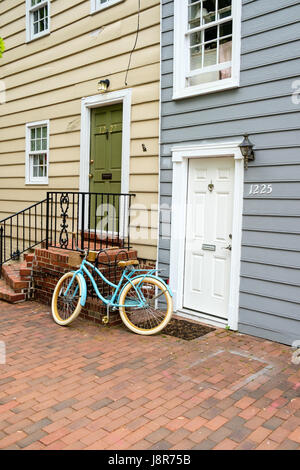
87,65
65,26
68,35
48,77
144,165
142,94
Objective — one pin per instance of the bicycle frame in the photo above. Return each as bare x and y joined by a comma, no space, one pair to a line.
127,275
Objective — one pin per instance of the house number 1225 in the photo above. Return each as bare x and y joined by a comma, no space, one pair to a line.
261,189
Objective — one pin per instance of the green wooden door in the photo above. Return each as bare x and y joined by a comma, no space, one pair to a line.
105,162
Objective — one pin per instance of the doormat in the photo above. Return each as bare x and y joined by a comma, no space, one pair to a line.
186,330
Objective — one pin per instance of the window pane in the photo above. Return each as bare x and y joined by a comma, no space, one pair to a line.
210,34
209,11
44,132
38,145
203,78
44,144
196,38
196,58
210,54
194,14
226,29
38,132
32,145
224,8
209,77
225,50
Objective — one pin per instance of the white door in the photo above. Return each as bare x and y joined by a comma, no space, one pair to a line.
209,236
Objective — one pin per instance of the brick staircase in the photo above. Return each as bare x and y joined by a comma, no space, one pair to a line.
15,284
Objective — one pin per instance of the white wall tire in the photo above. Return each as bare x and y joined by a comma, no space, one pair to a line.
126,319
54,305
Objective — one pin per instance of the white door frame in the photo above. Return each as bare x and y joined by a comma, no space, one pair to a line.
97,101
180,158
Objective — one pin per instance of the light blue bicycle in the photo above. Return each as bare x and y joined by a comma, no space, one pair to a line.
143,299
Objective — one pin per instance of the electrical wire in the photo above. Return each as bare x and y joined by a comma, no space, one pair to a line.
135,43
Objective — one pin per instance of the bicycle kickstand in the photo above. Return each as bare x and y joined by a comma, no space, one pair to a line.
105,319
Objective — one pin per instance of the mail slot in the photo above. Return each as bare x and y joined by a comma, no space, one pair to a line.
209,247
106,176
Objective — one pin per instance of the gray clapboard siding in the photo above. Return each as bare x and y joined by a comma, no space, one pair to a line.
263,107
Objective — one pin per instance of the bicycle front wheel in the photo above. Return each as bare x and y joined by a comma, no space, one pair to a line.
154,315
66,299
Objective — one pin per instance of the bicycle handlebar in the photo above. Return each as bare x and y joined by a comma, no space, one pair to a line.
85,252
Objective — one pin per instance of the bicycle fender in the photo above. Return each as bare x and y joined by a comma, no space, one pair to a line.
83,289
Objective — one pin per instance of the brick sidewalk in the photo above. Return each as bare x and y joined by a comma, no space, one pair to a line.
91,387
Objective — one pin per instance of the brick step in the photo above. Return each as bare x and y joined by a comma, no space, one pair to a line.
9,295
102,239
16,280
11,274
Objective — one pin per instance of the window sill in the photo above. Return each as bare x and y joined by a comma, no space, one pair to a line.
104,7
36,183
182,93
39,36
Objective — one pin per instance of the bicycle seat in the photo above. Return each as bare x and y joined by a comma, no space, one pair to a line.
130,262
91,257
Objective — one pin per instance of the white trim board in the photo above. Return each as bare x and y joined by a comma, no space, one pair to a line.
96,101
37,180
122,96
29,10
180,158
181,54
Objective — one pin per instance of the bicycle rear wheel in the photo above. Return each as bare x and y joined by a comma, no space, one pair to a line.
66,299
154,315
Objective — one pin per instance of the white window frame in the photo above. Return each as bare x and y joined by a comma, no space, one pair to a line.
180,90
29,179
95,5
30,36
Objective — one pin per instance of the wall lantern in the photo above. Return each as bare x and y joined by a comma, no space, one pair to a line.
247,150
103,85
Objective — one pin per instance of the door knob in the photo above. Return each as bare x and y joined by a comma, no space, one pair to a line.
229,248
90,175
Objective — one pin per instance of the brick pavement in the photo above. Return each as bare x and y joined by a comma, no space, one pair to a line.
92,387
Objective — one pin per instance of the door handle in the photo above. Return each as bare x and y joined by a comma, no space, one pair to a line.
90,175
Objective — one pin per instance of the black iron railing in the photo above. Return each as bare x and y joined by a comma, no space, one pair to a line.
68,220
92,221
22,231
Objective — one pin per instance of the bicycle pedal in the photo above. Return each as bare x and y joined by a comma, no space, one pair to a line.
105,320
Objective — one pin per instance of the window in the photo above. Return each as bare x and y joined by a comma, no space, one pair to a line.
206,46
97,5
37,152
38,18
